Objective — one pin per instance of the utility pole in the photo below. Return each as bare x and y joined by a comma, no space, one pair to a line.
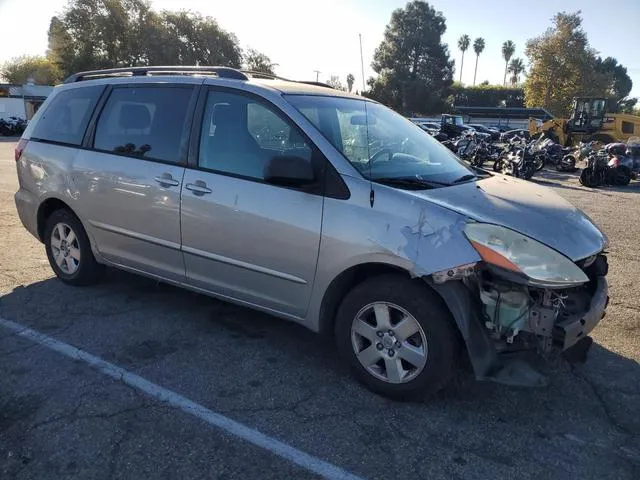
317,72
361,64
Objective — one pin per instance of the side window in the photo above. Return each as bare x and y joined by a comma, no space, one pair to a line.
240,135
65,119
627,127
145,121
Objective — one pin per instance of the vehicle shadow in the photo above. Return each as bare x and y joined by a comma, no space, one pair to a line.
138,323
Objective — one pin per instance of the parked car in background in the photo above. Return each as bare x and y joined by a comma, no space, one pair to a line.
480,134
430,127
508,135
317,206
433,129
492,132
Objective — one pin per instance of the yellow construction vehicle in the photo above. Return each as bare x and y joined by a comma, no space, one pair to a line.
589,121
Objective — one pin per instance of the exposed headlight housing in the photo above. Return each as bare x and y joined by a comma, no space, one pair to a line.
517,253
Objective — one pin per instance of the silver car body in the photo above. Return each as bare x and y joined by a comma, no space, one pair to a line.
278,250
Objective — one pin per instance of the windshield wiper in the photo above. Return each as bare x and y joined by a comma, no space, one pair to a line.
465,178
413,183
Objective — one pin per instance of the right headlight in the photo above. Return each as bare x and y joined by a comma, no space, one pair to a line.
520,254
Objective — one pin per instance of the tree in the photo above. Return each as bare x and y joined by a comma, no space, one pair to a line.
478,47
413,65
463,45
350,80
619,84
92,34
334,81
516,67
259,62
485,95
508,49
23,69
562,66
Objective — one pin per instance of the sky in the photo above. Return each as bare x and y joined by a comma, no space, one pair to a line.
302,36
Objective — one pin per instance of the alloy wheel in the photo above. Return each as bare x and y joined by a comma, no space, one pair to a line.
65,248
389,342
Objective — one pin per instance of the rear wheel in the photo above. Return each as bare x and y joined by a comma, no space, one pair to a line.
69,251
397,336
620,176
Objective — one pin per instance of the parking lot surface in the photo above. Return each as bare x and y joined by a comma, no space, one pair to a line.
62,418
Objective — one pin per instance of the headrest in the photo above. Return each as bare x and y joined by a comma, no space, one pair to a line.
227,114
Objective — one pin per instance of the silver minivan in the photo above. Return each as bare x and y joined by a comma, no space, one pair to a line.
317,206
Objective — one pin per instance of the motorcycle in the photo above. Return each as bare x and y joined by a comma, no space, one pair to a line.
610,166
517,160
552,154
12,126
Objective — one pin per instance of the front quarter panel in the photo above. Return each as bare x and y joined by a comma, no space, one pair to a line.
400,230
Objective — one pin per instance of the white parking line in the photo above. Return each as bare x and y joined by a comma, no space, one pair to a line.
281,449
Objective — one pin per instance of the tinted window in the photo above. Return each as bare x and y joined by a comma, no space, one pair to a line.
627,127
241,134
149,122
65,119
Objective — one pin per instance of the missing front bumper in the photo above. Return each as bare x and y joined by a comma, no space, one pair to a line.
571,330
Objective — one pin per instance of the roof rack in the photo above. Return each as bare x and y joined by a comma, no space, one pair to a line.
317,84
222,72
271,76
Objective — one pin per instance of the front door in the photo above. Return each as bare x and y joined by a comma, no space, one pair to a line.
132,178
242,237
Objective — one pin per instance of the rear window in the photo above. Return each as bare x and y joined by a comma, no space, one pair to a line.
147,122
65,119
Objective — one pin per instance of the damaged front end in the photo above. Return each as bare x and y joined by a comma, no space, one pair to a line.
522,298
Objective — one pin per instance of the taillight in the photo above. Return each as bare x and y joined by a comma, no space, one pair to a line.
22,144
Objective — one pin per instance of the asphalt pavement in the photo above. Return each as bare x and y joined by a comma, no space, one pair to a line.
205,389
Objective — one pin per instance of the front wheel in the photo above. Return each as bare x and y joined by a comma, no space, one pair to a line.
588,178
69,250
538,162
397,336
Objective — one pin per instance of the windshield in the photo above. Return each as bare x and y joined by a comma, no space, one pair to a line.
380,143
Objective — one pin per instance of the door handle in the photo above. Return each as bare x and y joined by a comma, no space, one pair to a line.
198,188
166,180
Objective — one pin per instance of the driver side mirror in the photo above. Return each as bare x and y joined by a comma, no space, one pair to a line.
289,171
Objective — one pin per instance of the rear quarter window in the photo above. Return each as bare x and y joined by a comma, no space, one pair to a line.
148,122
65,119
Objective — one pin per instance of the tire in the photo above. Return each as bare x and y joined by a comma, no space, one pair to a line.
567,164
527,171
587,178
78,266
539,163
436,336
621,176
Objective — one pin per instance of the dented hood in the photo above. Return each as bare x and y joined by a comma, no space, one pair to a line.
530,209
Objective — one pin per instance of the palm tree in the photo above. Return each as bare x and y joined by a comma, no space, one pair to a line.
350,80
516,67
463,45
478,47
508,49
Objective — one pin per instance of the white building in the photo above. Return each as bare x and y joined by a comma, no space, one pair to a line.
22,101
